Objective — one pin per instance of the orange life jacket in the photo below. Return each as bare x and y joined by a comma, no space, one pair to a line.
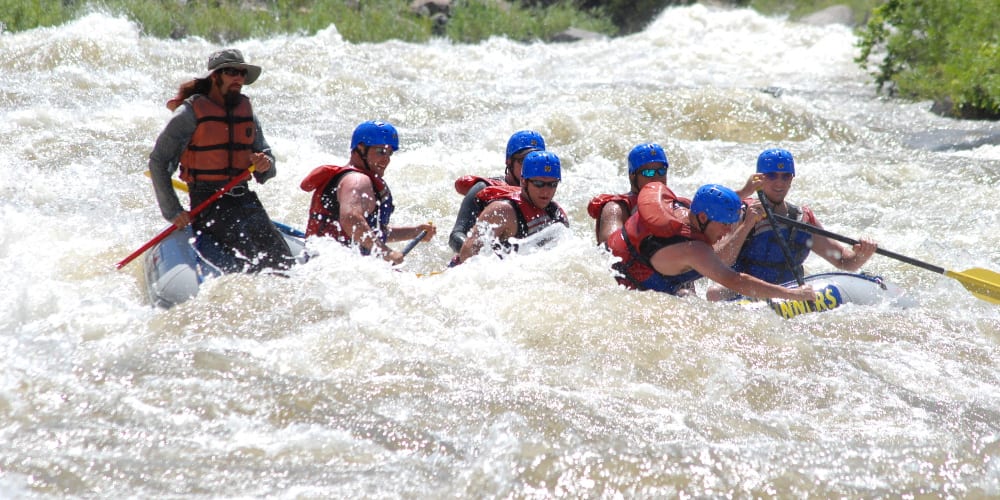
660,220
220,147
464,183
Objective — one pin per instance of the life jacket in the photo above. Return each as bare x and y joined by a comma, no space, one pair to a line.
761,254
530,219
464,183
596,206
324,211
660,220
220,147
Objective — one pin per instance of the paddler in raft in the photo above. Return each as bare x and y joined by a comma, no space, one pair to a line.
353,203
517,212
647,162
665,245
762,256
519,145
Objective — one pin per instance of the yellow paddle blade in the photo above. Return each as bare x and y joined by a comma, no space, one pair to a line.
983,283
178,185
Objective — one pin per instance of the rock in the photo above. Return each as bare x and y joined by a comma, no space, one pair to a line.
836,14
575,35
430,8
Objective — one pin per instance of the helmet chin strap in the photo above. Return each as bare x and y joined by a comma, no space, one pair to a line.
364,157
702,226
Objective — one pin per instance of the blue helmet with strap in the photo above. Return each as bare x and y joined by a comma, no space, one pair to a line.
775,160
718,202
371,133
524,139
541,164
646,153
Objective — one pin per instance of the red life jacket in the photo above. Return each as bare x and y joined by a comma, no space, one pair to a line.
530,219
660,220
464,183
596,206
324,210
220,147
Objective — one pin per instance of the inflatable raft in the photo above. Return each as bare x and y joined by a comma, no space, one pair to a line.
175,269
834,290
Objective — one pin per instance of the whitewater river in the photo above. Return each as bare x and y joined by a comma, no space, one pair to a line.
531,377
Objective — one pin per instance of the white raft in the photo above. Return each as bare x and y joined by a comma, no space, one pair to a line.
175,270
834,290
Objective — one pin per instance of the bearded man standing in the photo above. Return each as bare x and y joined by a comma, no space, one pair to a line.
214,137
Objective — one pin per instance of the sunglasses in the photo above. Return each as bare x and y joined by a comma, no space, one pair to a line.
381,151
234,72
653,172
543,184
779,175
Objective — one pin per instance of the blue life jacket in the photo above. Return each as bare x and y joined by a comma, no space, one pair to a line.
761,255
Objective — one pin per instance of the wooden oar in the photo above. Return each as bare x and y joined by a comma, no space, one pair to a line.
983,283
195,211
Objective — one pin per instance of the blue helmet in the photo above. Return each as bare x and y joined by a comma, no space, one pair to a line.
524,139
371,133
775,160
541,164
719,203
645,153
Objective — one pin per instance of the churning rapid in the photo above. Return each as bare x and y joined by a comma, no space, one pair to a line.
530,377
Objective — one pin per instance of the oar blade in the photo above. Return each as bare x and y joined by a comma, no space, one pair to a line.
983,283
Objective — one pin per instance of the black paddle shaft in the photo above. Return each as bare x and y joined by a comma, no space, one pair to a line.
823,232
413,242
781,241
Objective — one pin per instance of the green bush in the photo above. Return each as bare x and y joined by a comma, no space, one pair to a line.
945,50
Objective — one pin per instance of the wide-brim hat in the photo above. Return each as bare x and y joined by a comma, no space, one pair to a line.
232,58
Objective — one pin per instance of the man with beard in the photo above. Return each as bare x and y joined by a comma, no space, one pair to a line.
214,136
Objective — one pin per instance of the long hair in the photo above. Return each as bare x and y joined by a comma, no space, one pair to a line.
188,89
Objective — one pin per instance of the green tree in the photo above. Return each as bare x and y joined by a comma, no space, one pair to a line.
945,50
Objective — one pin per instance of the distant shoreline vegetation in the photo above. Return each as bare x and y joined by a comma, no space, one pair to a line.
947,51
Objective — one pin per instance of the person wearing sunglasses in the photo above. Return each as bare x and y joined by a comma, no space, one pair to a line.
213,137
353,203
667,243
761,254
517,212
519,145
647,162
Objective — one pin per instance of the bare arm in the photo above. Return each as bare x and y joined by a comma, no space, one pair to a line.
498,221
754,182
681,257
728,248
846,258
398,233
613,217
357,199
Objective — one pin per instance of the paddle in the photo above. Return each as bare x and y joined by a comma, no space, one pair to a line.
413,243
983,283
178,185
781,241
195,211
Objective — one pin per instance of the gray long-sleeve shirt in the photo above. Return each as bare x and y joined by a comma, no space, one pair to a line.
166,155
